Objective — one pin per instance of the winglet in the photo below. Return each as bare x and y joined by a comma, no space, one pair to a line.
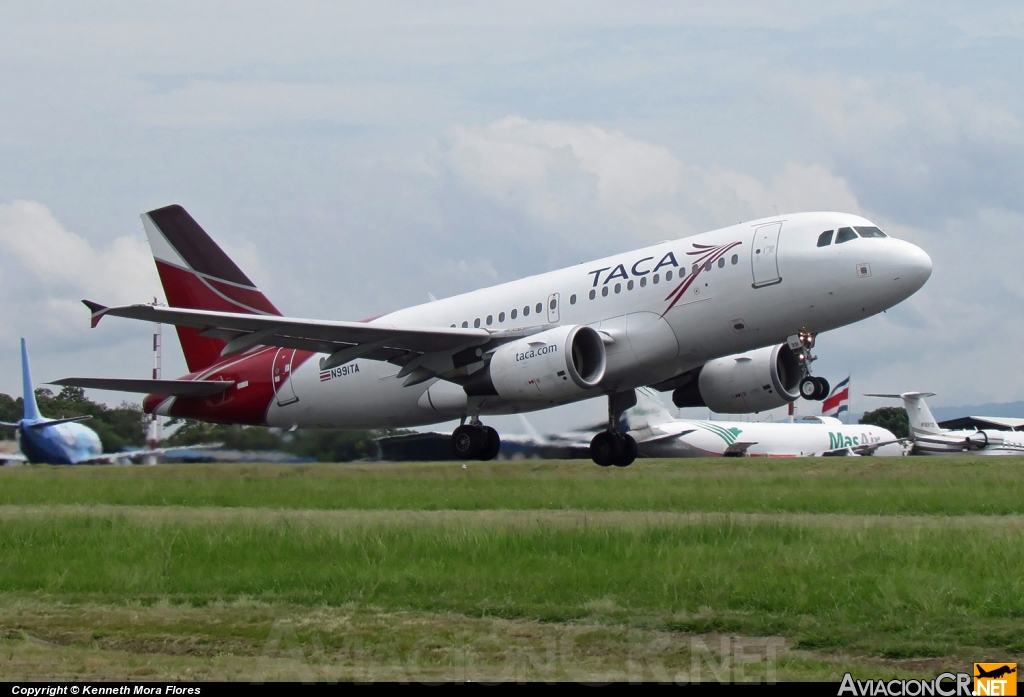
97,311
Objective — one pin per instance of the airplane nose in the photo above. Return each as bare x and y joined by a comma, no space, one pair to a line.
917,265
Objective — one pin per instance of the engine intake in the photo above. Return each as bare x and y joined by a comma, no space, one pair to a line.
745,383
556,364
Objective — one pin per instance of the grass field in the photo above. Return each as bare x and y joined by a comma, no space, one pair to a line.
669,570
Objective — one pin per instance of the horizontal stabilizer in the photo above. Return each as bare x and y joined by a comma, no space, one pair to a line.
8,424
174,388
57,422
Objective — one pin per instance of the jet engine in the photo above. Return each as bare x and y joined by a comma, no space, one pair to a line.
554,365
744,383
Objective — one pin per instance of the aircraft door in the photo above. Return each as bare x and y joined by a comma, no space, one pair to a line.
283,387
553,308
764,251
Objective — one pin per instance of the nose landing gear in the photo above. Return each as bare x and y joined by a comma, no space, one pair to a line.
474,441
612,447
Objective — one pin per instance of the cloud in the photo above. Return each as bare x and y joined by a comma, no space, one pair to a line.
206,103
567,175
46,270
916,148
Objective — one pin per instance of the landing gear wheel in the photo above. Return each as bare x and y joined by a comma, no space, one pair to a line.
468,442
809,388
823,388
606,449
628,451
492,445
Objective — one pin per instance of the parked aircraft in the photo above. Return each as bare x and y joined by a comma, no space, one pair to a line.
66,441
54,441
931,439
659,434
724,319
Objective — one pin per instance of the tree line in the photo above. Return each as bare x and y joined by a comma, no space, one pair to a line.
126,426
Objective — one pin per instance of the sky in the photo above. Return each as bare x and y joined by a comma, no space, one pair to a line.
355,156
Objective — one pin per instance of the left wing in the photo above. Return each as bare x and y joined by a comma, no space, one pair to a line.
115,458
423,352
56,422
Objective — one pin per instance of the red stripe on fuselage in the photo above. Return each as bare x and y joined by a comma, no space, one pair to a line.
245,405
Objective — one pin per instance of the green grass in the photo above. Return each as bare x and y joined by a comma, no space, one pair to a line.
882,566
871,589
887,486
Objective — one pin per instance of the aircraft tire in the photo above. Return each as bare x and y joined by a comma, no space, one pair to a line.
628,451
823,389
468,442
492,444
809,388
605,449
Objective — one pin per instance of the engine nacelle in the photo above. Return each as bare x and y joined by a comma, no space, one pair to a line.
557,364
745,383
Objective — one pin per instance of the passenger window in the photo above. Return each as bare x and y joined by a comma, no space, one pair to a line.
490,320
629,286
453,326
514,313
465,325
540,307
476,322
618,287
593,294
707,266
870,232
825,238
572,299
668,275
845,234
735,259
643,281
526,311
604,292
501,316
657,279
721,263
694,269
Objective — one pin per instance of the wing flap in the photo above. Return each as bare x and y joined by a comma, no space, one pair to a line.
173,388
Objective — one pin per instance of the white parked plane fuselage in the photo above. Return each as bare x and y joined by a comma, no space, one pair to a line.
659,314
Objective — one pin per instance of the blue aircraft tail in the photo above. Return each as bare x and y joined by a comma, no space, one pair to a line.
31,408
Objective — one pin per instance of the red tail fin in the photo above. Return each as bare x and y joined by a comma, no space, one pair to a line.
198,275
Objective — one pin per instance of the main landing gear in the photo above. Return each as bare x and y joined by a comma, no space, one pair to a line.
612,447
811,387
814,388
474,441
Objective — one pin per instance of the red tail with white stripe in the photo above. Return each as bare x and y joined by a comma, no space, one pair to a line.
198,275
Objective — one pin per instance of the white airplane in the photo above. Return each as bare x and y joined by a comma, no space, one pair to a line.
659,434
931,439
670,315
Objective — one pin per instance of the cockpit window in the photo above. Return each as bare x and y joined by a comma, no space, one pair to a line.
845,234
825,238
870,232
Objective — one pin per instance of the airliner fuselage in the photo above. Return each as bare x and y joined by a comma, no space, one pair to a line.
651,316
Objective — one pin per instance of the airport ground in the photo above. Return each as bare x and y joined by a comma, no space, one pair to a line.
668,570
